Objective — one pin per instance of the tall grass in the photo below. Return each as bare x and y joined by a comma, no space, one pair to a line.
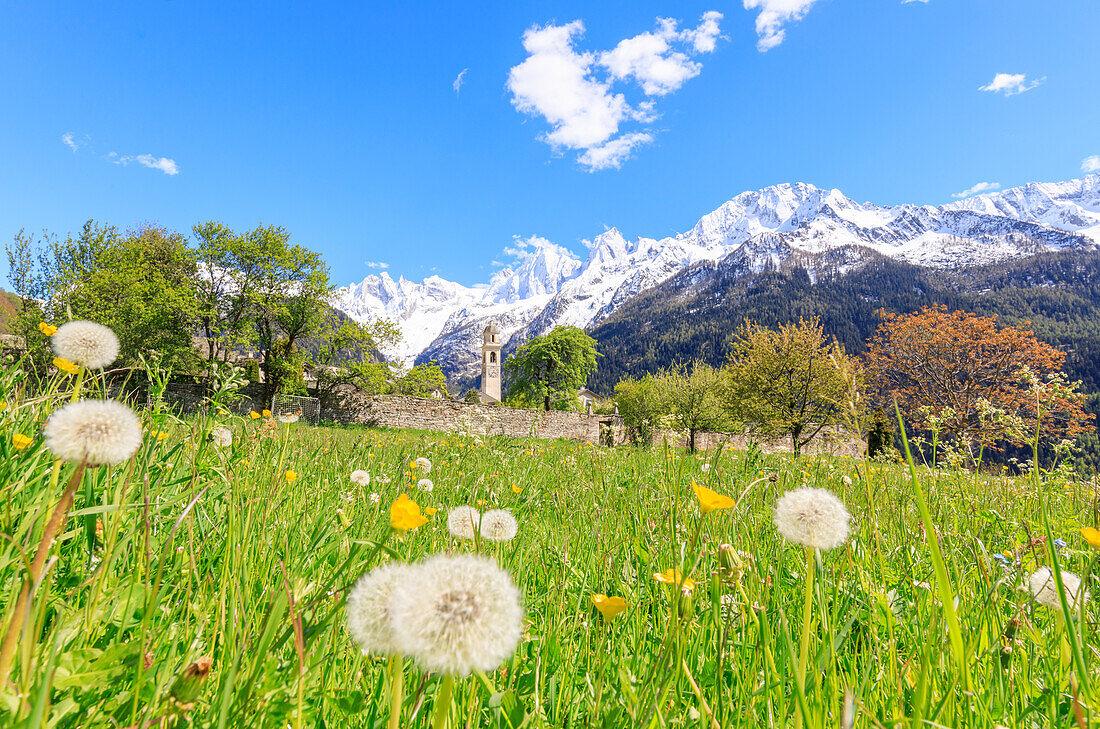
191,550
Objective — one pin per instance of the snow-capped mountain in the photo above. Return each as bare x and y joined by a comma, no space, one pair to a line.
549,285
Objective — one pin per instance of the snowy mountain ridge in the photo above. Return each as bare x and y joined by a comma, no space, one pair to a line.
550,285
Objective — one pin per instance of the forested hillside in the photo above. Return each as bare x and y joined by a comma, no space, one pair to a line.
696,313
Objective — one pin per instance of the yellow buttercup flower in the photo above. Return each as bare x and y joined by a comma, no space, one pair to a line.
21,441
405,514
291,477
711,500
673,577
48,329
65,365
254,415
516,489
609,607
429,510
1092,536
267,413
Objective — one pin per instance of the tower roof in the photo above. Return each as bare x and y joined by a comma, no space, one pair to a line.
492,328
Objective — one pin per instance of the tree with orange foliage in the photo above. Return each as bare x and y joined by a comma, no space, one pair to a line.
972,379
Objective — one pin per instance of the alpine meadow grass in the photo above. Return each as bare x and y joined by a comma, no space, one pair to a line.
211,580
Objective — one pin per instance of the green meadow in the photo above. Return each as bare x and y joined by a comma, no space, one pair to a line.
202,585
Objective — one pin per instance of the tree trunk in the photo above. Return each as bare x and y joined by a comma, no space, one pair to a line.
547,401
796,442
691,439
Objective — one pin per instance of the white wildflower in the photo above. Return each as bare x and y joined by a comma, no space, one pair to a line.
462,522
498,525
222,437
105,432
424,465
86,343
425,485
457,614
375,498
813,518
705,468
382,479
360,478
368,608
1042,587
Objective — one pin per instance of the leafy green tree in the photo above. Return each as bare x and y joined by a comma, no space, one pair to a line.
141,285
423,380
694,401
642,403
227,275
287,297
346,355
793,380
551,368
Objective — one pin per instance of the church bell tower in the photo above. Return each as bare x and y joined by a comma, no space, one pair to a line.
490,364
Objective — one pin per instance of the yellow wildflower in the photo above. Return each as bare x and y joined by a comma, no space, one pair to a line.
291,477
429,510
1092,536
673,577
65,365
710,500
267,413
516,489
21,441
609,607
48,329
405,514
254,415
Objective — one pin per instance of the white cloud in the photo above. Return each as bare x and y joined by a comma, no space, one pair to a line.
612,154
572,90
774,14
1091,163
1011,84
906,2
459,80
978,189
69,139
165,165
377,264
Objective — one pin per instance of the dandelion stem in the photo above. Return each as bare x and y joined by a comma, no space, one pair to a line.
443,702
807,618
53,528
397,690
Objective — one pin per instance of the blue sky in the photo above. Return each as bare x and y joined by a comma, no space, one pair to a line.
341,122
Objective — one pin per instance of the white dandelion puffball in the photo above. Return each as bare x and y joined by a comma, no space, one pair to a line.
289,418
360,478
368,608
425,485
105,432
457,614
462,522
813,518
424,465
498,525
86,343
222,437
1044,589
383,478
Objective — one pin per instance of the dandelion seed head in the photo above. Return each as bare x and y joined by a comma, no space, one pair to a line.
222,437
360,478
105,432
424,465
425,485
289,418
368,608
462,522
813,518
498,525
1044,590
457,614
86,343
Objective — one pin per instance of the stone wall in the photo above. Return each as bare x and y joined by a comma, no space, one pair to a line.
396,411
834,442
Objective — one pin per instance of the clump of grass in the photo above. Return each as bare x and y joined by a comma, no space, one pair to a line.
196,583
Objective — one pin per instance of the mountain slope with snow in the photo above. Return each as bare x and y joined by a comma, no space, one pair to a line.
549,285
